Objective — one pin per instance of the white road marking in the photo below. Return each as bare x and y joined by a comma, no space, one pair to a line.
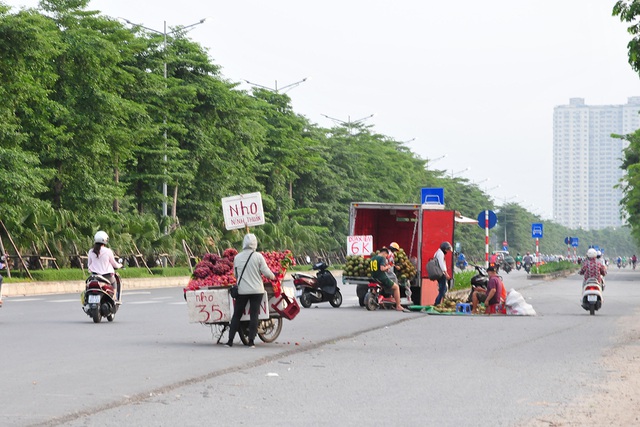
143,302
26,299
66,300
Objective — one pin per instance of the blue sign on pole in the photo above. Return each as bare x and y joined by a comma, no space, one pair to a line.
432,196
574,242
536,230
493,219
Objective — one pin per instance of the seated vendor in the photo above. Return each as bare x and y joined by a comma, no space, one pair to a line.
490,296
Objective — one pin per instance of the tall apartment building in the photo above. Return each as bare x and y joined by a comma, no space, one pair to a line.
586,162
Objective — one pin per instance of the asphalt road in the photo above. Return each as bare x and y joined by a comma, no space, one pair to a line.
344,366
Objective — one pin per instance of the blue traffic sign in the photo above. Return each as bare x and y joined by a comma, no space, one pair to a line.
493,219
432,196
574,242
567,240
536,230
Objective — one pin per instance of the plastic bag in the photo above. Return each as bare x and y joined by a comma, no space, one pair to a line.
517,306
434,272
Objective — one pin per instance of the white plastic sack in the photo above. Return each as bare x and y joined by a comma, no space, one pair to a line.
517,306
514,298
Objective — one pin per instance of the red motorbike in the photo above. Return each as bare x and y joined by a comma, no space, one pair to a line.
99,298
376,297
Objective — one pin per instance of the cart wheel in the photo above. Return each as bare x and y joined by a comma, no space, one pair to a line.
336,301
270,329
243,331
371,302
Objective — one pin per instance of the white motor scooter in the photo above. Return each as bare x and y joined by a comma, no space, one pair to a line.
591,295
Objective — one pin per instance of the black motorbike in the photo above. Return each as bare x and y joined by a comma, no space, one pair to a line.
506,267
527,267
321,288
481,278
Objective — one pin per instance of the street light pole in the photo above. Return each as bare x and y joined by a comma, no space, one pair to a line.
165,33
349,124
276,89
459,172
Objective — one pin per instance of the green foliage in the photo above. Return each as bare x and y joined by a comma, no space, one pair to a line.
90,129
462,279
552,267
64,274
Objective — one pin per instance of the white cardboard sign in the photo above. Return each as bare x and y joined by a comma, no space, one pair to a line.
359,245
244,210
216,306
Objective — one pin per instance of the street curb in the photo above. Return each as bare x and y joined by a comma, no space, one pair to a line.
550,276
77,286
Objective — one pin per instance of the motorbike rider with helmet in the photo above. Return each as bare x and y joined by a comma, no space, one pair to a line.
101,261
442,281
592,268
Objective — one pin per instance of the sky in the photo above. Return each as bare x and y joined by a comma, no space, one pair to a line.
473,81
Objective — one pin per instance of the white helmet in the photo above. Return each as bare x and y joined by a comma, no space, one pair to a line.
599,254
101,237
591,253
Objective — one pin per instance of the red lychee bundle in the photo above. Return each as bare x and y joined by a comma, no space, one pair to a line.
213,271
278,262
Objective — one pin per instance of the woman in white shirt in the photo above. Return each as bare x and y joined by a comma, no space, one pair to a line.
101,261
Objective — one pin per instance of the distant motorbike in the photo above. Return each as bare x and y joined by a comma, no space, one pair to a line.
99,299
591,295
506,267
527,266
462,264
321,288
518,265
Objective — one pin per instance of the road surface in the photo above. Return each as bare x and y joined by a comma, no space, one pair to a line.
344,366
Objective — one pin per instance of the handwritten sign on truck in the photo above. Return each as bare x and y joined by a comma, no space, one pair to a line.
243,210
359,245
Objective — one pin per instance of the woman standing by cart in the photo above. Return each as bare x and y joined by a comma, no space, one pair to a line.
247,267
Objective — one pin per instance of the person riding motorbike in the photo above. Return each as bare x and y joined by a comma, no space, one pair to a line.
634,260
518,260
101,261
461,263
592,268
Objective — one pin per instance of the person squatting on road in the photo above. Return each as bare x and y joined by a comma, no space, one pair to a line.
494,294
247,266
442,281
592,268
379,267
102,262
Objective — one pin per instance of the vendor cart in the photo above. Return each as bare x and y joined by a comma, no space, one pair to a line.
214,306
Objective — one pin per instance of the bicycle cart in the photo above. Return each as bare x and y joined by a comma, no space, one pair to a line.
214,306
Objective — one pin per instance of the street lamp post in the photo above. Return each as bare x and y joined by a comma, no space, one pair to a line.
165,33
349,123
459,172
504,202
277,89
